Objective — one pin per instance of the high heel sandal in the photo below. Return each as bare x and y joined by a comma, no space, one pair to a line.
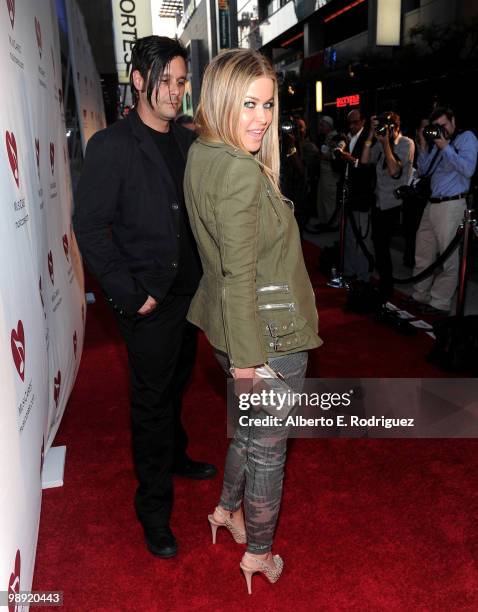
250,564
238,535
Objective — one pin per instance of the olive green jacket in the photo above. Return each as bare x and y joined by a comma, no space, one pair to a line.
255,299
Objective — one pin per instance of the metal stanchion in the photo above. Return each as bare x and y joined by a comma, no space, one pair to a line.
336,281
468,224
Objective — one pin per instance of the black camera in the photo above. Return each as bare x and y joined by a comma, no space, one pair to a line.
432,131
287,126
419,189
385,124
339,149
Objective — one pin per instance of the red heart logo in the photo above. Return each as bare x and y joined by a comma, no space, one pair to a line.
11,11
38,33
11,144
50,267
14,582
17,342
52,157
37,152
75,343
65,246
56,388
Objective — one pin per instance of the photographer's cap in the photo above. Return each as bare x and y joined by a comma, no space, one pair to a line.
328,120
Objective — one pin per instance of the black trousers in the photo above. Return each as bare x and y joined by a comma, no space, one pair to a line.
161,353
384,225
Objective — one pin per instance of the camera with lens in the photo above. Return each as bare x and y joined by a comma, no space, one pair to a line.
338,149
432,131
287,126
385,124
419,189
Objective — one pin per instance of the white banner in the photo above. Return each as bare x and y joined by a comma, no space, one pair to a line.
86,81
131,20
41,282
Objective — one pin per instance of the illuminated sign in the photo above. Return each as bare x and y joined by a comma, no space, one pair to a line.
353,100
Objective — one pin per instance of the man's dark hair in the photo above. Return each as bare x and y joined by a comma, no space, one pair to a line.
439,112
152,54
394,118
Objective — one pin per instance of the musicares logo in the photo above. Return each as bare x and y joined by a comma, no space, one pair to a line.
75,343
65,246
38,33
50,267
14,582
11,145
37,153
56,388
17,342
52,157
11,11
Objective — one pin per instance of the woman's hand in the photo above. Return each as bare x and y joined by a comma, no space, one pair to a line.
244,373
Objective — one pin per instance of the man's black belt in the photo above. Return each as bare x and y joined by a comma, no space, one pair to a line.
458,196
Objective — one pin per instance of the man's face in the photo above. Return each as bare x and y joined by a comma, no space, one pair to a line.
355,122
301,127
168,92
447,126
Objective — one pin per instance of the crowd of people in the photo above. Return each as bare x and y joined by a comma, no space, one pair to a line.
380,173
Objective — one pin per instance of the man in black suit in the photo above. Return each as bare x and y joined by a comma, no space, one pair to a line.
133,231
360,199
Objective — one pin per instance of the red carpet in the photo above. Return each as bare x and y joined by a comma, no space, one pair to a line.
365,524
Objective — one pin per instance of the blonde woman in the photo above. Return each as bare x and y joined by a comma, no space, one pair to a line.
255,301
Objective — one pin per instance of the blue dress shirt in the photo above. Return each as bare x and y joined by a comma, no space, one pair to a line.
454,166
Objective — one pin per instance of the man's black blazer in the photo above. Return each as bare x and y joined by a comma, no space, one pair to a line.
127,211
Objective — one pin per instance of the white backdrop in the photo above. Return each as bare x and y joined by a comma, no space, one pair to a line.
42,306
86,82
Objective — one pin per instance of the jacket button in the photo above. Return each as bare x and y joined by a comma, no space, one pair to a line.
174,206
174,264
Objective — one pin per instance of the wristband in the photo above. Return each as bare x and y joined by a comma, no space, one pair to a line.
368,143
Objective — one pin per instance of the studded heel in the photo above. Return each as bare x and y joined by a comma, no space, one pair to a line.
238,534
250,564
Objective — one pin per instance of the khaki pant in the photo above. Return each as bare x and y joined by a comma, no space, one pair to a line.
437,229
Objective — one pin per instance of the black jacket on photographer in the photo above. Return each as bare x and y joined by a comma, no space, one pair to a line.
360,178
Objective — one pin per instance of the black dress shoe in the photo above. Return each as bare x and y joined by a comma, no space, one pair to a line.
197,470
428,309
161,543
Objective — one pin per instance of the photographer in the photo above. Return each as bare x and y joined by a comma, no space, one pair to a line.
293,170
451,163
392,155
360,197
328,177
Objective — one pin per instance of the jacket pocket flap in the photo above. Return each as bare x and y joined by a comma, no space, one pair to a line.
282,324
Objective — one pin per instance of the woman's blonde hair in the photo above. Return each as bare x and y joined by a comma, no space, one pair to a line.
224,88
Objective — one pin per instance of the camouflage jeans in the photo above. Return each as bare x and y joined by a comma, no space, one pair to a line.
254,469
